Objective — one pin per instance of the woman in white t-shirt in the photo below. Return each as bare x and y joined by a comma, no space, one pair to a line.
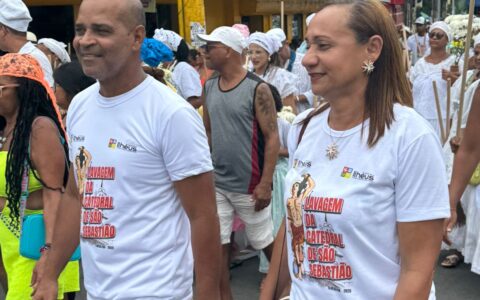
366,191
185,77
434,67
262,48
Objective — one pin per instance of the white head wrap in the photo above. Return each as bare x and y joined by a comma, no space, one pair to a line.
244,30
309,18
476,40
269,43
443,27
58,48
278,34
15,14
170,38
31,37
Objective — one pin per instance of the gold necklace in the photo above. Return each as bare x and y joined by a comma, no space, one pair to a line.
332,151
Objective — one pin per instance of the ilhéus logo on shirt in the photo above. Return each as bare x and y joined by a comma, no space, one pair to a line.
348,173
77,138
303,164
115,144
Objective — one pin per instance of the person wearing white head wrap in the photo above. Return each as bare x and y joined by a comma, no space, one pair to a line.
278,34
433,67
168,37
262,49
267,42
292,61
54,49
14,21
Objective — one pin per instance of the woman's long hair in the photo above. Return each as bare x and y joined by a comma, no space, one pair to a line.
33,101
387,84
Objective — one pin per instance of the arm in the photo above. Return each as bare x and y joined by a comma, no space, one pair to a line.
278,276
206,122
48,159
267,119
65,239
466,159
196,102
419,249
197,195
283,152
290,100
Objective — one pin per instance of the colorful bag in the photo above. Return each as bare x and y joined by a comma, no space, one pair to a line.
32,234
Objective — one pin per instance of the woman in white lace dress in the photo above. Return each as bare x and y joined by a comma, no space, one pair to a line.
261,49
434,67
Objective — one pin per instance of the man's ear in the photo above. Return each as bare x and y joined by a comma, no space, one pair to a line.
138,35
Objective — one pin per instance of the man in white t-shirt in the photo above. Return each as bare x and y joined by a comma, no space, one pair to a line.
14,20
418,43
148,213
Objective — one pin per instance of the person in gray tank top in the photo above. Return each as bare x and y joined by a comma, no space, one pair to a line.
241,124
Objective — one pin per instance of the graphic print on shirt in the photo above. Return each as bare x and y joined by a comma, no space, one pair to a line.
96,201
315,239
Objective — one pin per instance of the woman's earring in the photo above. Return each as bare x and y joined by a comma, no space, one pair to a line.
368,66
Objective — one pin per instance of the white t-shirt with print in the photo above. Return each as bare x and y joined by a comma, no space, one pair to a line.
127,152
187,80
342,213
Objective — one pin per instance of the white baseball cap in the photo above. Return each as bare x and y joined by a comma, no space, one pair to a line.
15,14
420,20
228,36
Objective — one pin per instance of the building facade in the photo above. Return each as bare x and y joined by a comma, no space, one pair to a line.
55,18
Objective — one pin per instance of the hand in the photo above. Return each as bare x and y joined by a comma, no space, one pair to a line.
455,143
448,225
262,195
38,270
45,289
445,74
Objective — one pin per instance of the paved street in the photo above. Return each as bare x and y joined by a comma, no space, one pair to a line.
452,284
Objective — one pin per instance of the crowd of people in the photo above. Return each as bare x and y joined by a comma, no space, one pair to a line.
343,164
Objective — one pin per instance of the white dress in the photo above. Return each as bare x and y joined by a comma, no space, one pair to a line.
422,76
466,239
283,80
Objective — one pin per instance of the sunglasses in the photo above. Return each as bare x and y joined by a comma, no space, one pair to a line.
6,86
436,35
209,47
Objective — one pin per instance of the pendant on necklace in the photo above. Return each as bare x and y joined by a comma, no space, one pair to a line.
2,141
332,151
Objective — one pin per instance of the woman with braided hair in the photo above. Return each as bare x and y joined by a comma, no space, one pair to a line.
33,140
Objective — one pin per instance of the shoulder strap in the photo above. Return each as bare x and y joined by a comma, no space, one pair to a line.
302,131
307,120
24,194
293,56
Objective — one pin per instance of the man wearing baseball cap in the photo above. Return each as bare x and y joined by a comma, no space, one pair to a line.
14,20
418,42
240,119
